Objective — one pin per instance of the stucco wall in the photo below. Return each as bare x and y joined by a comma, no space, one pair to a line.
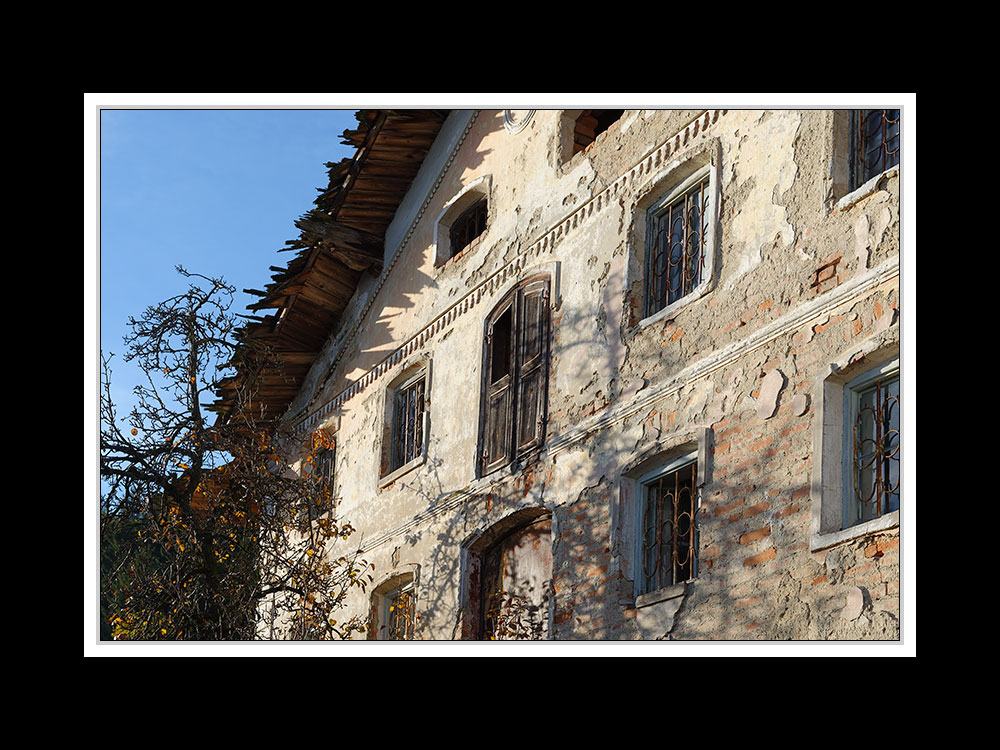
736,369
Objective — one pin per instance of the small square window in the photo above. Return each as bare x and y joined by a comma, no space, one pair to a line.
875,143
668,531
463,222
468,226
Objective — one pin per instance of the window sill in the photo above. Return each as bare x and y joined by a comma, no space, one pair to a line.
463,253
510,469
395,474
870,187
670,310
656,612
660,595
822,541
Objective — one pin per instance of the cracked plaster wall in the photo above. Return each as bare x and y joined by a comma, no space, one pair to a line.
758,577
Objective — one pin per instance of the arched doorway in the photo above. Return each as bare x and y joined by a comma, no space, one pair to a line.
510,581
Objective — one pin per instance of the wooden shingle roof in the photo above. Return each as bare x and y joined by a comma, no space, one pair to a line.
340,240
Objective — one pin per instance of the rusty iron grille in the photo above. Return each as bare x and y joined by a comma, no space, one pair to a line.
408,423
876,138
468,226
876,451
677,252
669,534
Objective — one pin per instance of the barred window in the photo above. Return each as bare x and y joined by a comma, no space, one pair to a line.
468,226
405,426
668,528
676,245
875,447
875,134
327,464
855,487
408,423
325,472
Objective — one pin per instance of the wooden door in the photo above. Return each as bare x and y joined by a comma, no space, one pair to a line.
516,583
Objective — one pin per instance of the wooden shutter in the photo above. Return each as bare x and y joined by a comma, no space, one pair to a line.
499,384
533,365
516,367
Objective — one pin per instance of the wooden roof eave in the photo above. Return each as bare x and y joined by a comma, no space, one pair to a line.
340,240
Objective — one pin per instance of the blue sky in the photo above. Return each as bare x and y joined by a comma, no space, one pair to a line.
214,190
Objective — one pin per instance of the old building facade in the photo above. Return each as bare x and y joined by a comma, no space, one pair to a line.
613,375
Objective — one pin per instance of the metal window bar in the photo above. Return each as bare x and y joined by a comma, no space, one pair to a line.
326,468
408,417
876,451
468,226
669,553
678,248
876,139
325,474
400,605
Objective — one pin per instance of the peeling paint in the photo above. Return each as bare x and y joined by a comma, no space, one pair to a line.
766,156
737,365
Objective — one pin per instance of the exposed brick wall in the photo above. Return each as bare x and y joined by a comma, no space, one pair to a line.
781,249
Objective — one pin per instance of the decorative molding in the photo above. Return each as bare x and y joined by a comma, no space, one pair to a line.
516,120
792,321
626,185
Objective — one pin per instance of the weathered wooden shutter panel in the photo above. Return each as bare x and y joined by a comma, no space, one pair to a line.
499,376
533,364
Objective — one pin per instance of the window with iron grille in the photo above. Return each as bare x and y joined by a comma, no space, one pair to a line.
875,143
856,487
516,372
468,226
325,472
668,532
393,611
327,463
407,422
874,435
678,231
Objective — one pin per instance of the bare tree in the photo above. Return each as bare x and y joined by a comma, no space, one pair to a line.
228,543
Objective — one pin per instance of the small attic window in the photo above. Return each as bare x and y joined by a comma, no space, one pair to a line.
463,222
468,226
591,123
